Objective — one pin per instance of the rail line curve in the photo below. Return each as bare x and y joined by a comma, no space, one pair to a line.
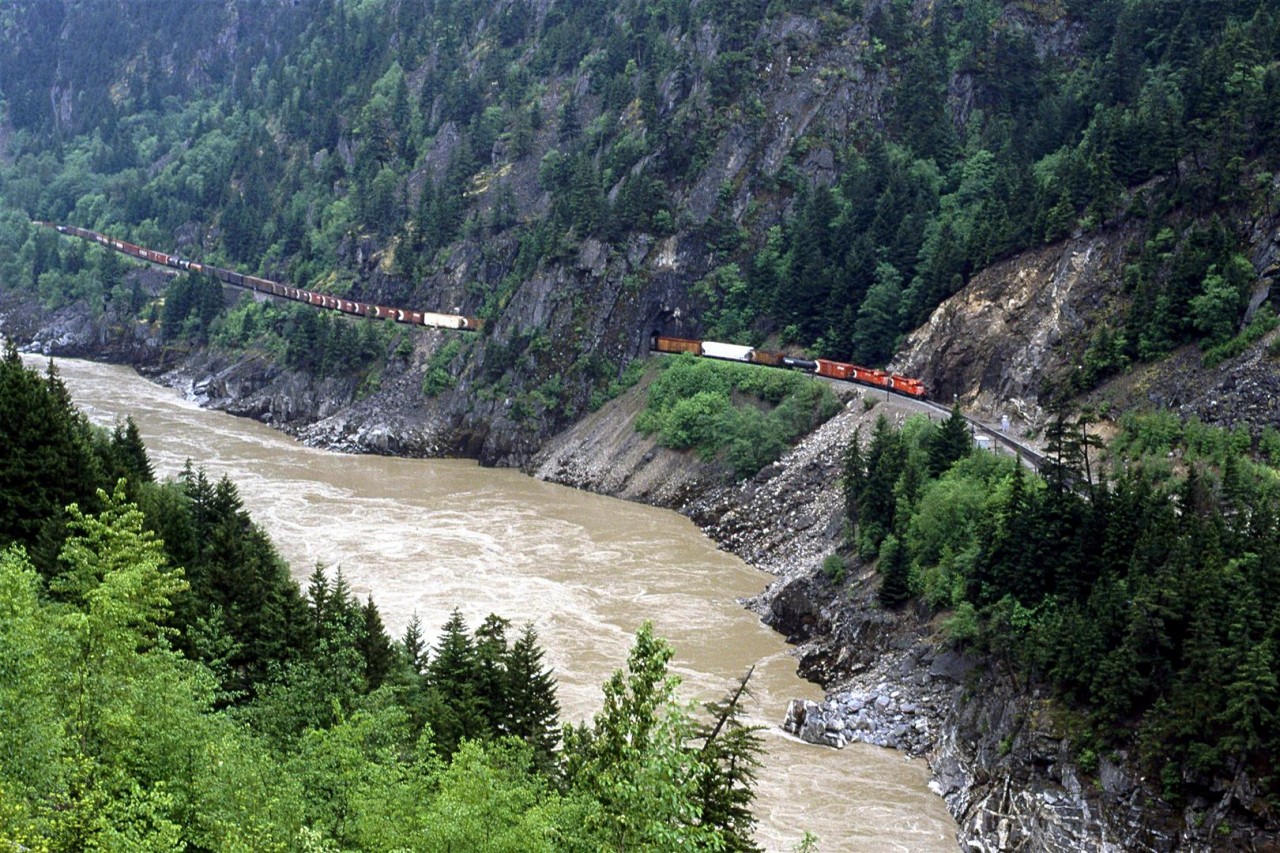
891,383
274,288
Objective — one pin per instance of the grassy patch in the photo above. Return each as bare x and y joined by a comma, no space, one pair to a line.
616,387
745,415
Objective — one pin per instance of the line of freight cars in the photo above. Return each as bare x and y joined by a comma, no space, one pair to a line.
817,366
275,288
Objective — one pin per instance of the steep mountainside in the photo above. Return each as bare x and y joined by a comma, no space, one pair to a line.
581,174
1024,334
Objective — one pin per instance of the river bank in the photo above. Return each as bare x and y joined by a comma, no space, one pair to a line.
1000,752
1000,756
1001,764
425,536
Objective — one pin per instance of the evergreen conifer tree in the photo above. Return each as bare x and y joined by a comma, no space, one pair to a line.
131,453
895,568
852,479
374,646
533,709
730,754
491,671
877,503
950,443
875,328
413,647
453,707
318,595
46,454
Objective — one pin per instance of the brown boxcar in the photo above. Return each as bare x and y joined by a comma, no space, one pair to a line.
870,377
769,357
665,344
834,369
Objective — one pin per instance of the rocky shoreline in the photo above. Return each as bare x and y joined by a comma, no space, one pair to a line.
880,717
999,757
1000,751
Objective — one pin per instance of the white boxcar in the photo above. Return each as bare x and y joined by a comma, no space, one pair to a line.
732,352
443,321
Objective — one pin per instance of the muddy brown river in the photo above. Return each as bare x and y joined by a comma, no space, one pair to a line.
425,536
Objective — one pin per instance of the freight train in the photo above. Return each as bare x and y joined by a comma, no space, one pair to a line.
818,366
274,288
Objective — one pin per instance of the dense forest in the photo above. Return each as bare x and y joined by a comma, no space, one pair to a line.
165,685
299,139
1139,582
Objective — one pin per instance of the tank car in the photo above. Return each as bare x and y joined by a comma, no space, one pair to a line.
804,364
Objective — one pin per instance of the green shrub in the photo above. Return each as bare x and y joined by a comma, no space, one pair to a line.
962,626
755,440
746,415
1269,446
438,378
1154,434
696,421
834,567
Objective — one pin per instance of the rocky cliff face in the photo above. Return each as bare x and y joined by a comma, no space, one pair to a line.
1015,334
996,344
73,331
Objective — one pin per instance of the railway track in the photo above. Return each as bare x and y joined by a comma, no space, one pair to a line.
277,289
903,388
1033,458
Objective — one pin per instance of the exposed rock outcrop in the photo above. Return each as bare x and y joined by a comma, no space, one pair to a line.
75,331
1019,322
1021,326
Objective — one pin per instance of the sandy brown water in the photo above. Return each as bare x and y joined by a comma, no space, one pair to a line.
425,536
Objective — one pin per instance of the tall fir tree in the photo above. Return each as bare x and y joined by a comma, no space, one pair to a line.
453,705
952,442
895,571
731,751
534,710
491,671
374,646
